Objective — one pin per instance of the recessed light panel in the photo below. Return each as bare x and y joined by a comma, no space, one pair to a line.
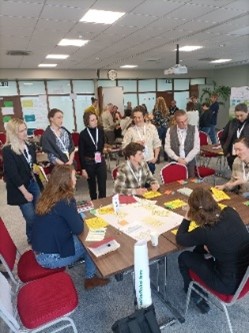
47,65
101,16
57,56
73,42
189,48
220,61
128,66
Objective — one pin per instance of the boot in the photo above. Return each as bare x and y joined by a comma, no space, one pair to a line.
95,282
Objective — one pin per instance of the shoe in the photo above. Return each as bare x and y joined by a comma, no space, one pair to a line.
95,282
202,305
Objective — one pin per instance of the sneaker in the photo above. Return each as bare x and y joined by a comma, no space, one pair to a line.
202,305
95,282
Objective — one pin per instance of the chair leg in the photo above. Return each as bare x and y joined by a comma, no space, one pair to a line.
228,318
188,298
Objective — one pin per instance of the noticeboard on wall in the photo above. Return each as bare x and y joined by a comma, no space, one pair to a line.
35,111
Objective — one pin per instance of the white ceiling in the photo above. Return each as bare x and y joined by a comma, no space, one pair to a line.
146,35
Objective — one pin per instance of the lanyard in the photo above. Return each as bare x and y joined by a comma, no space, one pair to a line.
139,178
27,155
240,130
139,134
97,137
245,175
62,143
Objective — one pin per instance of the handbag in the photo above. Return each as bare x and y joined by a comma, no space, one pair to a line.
141,321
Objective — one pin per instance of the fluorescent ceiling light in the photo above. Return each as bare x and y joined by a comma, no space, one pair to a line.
189,48
101,16
27,83
128,66
57,56
47,65
220,61
73,42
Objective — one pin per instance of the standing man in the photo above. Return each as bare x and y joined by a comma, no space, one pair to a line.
173,108
108,123
214,107
182,142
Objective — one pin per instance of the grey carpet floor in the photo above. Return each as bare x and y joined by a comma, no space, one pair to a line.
99,308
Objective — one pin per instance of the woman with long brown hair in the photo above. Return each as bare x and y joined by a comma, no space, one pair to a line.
222,235
57,224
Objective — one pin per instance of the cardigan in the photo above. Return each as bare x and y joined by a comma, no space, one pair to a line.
17,172
53,232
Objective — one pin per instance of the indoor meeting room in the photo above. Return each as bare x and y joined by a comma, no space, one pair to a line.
124,166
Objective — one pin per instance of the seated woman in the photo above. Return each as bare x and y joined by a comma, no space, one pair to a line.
240,169
220,233
57,224
134,176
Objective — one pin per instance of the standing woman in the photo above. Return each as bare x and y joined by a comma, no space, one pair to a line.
18,158
91,147
57,141
160,120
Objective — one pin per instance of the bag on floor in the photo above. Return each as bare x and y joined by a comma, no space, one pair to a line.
141,321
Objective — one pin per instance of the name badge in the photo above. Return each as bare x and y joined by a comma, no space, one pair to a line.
97,157
146,152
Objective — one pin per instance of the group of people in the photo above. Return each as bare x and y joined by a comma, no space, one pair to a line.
52,220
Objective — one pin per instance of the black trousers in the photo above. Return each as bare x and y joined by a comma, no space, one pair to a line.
206,270
97,174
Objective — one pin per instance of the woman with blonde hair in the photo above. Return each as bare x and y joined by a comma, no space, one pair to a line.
221,240
160,120
57,225
18,158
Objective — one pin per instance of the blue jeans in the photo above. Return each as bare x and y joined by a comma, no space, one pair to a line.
54,260
28,209
212,134
206,130
152,167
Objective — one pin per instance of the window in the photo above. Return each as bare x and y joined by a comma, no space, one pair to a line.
181,84
32,87
83,86
146,85
59,87
128,85
10,90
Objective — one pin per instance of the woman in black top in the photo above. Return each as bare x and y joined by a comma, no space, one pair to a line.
222,235
18,158
91,147
235,129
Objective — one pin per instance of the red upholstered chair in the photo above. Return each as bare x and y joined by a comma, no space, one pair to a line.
202,171
75,138
206,155
38,132
219,134
173,171
27,267
114,173
40,304
223,299
2,138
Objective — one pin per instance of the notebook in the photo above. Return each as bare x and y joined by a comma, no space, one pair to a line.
103,247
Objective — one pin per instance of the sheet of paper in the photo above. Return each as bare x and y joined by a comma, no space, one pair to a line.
151,194
219,195
192,226
96,223
174,204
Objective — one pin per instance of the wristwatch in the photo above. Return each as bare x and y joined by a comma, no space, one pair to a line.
112,74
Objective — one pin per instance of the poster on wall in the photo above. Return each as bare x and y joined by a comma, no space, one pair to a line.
35,112
238,95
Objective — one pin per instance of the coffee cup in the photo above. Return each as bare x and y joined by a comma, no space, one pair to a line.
154,238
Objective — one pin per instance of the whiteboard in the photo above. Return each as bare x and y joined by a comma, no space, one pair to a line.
115,96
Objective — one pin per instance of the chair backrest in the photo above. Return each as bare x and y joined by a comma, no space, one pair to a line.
203,138
243,288
219,134
2,138
114,173
173,172
8,250
75,138
38,131
7,312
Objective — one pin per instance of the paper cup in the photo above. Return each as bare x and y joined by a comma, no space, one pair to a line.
154,238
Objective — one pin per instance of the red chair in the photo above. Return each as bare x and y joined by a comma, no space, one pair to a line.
173,172
202,172
27,267
114,173
41,304
75,138
203,142
223,299
219,134
2,138
38,132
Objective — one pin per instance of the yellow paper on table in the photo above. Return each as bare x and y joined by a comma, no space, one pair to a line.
96,223
106,210
151,194
219,195
174,204
222,206
192,226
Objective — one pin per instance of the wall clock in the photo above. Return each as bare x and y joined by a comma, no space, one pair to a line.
112,74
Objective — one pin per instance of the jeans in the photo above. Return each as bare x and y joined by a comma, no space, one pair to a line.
54,260
28,209
152,167
212,134
206,130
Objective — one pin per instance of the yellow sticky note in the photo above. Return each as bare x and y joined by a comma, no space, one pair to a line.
106,210
192,226
28,103
151,194
219,195
96,223
174,204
